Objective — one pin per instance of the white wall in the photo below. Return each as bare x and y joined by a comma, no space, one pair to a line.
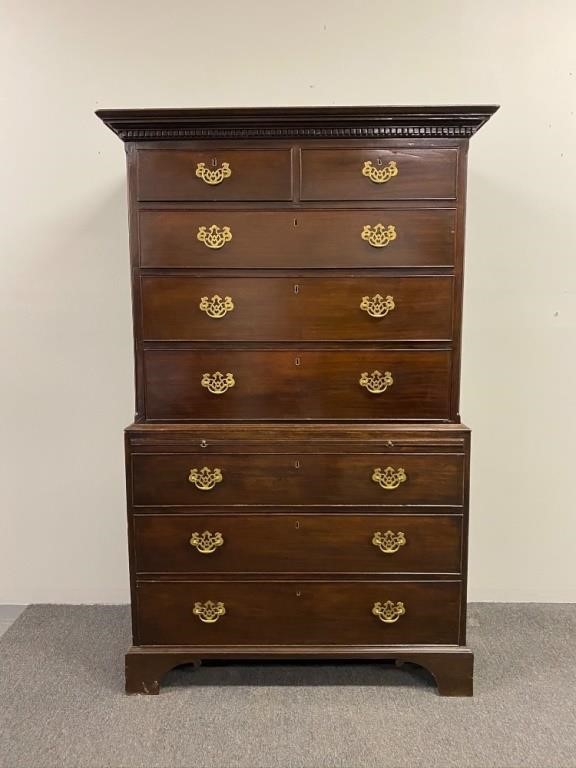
65,328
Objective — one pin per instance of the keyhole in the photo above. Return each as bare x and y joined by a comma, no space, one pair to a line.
296,289
295,222
379,161
203,443
298,594
296,361
214,162
297,464
297,524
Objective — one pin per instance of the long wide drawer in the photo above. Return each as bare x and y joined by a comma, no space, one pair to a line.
229,384
215,174
288,543
378,174
290,479
183,308
298,613
298,239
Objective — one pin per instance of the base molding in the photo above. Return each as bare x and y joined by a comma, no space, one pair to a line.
451,666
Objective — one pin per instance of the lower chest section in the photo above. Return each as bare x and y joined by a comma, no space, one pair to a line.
297,536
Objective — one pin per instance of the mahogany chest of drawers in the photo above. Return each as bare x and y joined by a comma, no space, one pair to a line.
297,473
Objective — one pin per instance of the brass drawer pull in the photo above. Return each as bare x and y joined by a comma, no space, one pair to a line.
377,306
389,542
216,306
209,612
378,236
205,479
388,612
389,478
214,236
213,176
217,383
206,542
380,175
376,382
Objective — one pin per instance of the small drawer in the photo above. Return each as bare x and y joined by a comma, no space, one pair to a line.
298,613
374,238
281,384
379,174
297,543
182,308
297,479
216,174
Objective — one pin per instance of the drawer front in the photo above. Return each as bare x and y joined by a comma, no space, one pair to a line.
299,239
288,384
297,543
297,613
379,174
214,175
287,479
296,309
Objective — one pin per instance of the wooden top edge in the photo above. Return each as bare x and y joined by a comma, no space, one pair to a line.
272,432
297,122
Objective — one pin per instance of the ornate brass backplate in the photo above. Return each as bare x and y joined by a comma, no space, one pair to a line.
216,306
389,542
213,176
378,235
377,306
376,382
389,478
217,383
205,479
388,612
380,175
214,236
209,612
206,542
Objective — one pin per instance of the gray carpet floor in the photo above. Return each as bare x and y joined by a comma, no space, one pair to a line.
62,702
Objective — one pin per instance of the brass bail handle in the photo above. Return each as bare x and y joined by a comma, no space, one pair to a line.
206,543
382,174
388,612
389,542
209,612
213,176
205,479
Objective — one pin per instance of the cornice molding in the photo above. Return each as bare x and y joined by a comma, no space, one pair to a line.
297,123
